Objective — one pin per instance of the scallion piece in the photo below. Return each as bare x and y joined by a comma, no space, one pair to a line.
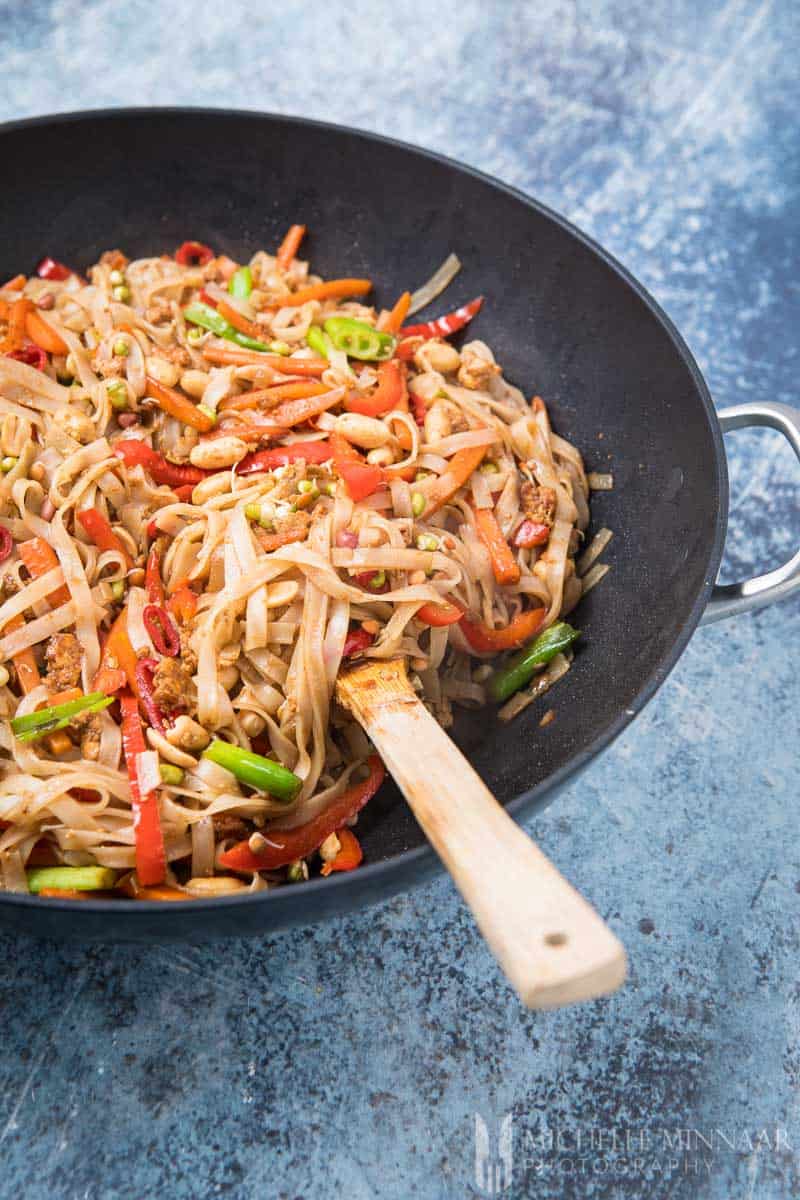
47,720
258,772
79,879
520,668
241,283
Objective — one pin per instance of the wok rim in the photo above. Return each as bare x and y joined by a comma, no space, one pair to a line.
421,862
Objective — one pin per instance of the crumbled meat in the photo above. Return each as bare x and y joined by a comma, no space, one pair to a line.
172,685
114,259
90,726
188,656
228,825
177,355
8,585
475,371
158,310
108,368
63,657
291,528
538,503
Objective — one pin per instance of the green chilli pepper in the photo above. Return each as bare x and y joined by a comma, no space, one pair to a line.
241,283
520,668
80,879
359,340
318,341
208,318
47,720
256,771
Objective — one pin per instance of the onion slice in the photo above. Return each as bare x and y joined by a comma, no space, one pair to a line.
440,279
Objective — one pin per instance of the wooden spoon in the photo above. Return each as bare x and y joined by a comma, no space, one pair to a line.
552,945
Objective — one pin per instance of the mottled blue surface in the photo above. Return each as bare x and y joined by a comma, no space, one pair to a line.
351,1059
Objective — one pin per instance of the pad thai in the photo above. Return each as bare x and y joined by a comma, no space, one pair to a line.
220,484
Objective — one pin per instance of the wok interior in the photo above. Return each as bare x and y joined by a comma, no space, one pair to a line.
560,319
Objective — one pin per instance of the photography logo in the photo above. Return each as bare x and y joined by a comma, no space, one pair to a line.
494,1165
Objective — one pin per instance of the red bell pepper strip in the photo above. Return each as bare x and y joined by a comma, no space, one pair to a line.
349,856
193,254
279,456
361,479
101,533
153,584
286,845
138,454
32,356
356,641
531,533
446,612
389,394
163,633
151,860
406,349
444,326
491,641
48,268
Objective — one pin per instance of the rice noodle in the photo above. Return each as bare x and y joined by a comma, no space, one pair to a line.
259,588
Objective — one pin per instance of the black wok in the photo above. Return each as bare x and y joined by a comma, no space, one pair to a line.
563,318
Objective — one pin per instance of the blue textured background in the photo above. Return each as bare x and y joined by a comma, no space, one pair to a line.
350,1059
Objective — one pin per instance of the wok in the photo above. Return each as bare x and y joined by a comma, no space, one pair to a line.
563,318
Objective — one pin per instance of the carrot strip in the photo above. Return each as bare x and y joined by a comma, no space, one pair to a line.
157,892
101,533
40,332
118,655
293,412
504,565
178,406
235,318
459,469
15,336
40,557
228,356
394,321
16,284
289,246
333,289
266,396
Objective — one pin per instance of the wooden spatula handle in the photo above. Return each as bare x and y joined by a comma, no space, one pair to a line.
552,945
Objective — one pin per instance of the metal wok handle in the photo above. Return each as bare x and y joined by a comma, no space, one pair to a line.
730,599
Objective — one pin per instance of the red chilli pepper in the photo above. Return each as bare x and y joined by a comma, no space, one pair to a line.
445,326
280,456
163,633
193,254
286,845
151,860
6,543
356,641
153,585
135,453
48,268
32,356
531,533
145,668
